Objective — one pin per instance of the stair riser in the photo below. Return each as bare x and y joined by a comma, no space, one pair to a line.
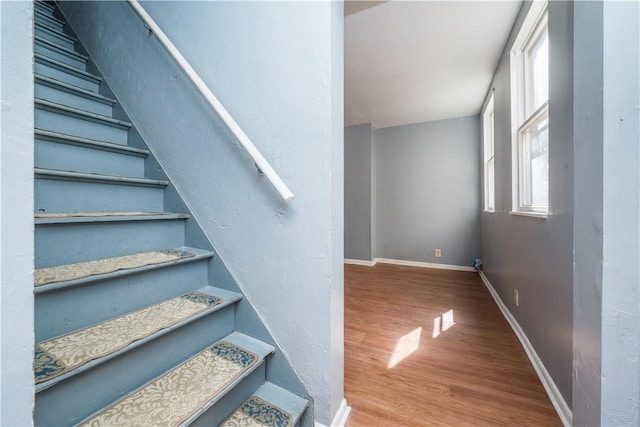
45,18
58,244
225,406
54,36
75,398
49,120
53,155
61,312
52,94
49,71
54,195
59,56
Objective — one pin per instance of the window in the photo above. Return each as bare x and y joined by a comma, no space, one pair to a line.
530,115
489,157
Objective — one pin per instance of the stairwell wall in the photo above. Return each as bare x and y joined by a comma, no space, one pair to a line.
277,68
16,212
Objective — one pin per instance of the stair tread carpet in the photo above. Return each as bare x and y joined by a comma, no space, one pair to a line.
75,217
270,406
186,391
79,270
92,143
67,68
55,83
68,353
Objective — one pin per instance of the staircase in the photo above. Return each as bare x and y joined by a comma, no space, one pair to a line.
129,331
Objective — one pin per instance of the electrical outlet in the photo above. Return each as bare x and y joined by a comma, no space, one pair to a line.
438,253
515,297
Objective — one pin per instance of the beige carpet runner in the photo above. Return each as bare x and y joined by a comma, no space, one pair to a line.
256,412
68,352
81,270
180,393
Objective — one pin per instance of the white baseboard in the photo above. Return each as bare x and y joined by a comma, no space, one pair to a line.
549,385
341,417
409,263
359,262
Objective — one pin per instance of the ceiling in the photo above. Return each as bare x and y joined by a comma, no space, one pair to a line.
410,62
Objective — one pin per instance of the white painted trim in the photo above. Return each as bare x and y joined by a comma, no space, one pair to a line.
549,385
341,417
359,262
423,264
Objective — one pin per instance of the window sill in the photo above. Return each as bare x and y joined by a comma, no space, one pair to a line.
538,215
489,211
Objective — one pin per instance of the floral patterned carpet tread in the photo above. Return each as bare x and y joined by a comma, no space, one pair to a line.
68,352
81,270
256,412
181,392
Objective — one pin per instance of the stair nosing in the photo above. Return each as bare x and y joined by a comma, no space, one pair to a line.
68,68
74,90
160,216
46,173
66,51
62,138
260,394
200,254
138,343
43,104
210,403
53,18
57,33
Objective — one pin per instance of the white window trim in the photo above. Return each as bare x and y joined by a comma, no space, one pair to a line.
535,21
488,140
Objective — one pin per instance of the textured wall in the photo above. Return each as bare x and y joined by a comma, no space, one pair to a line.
606,380
16,211
427,181
533,255
277,68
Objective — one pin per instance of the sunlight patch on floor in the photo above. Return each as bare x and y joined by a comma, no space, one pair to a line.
405,347
442,323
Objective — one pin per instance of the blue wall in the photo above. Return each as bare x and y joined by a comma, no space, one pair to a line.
277,68
357,192
16,211
534,255
427,178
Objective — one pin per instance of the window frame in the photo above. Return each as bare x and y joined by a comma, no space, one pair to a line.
522,97
488,143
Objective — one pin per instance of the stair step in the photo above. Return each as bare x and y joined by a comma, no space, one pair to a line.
48,19
65,152
47,281
270,405
59,52
94,269
50,67
54,36
74,240
183,393
67,355
75,217
99,178
44,6
63,93
89,143
72,121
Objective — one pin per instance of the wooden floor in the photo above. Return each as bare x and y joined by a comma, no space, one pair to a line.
427,347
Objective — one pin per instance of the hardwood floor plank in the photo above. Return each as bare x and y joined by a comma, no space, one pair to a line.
427,347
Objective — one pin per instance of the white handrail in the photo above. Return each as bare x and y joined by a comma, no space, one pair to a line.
263,166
